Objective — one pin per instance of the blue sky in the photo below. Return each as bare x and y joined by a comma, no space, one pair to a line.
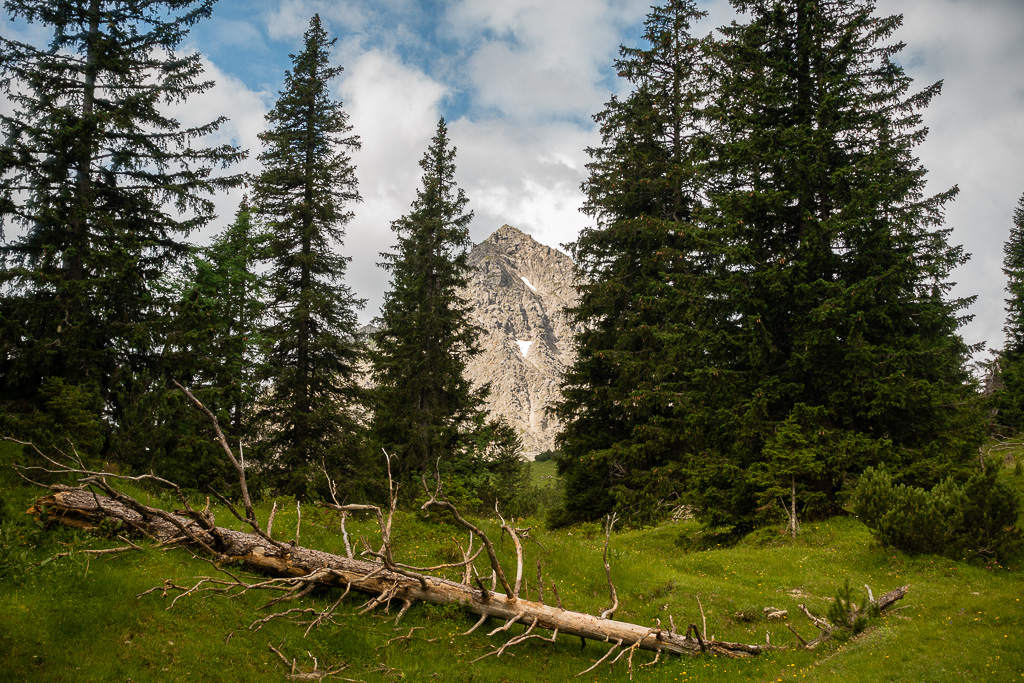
518,81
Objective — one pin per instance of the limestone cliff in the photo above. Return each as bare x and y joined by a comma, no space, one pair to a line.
517,292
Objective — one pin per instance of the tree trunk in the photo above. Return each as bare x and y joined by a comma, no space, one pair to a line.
792,506
83,509
386,581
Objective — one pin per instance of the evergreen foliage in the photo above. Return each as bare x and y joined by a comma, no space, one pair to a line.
846,615
837,267
975,518
221,309
767,273
104,185
795,452
302,199
425,410
1008,397
213,347
491,474
544,456
641,263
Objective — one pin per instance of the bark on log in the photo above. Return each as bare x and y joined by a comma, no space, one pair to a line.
84,509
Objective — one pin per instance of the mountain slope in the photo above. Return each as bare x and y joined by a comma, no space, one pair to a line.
517,293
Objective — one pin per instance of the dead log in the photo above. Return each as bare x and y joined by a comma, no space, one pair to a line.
84,509
383,579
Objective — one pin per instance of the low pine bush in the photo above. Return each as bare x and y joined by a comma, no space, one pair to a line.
974,518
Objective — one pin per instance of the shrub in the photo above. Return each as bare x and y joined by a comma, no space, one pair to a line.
977,517
544,456
845,614
68,416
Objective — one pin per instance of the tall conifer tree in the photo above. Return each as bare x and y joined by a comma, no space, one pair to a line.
105,185
836,264
643,268
216,331
303,199
801,296
1008,397
425,410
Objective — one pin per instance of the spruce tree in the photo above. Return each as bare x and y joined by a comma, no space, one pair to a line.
1008,397
643,269
836,267
216,330
302,199
425,410
213,349
777,281
105,186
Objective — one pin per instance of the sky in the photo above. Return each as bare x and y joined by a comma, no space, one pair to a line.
519,80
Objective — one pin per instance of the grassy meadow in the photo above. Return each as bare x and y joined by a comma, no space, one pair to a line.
78,618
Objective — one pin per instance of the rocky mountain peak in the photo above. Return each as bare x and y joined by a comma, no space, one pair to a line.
517,292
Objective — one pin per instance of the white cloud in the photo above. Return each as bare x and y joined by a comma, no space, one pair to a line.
976,136
394,108
290,18
528,178
541,58
517,85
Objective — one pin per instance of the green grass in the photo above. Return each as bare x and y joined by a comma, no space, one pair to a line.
78,618
542,474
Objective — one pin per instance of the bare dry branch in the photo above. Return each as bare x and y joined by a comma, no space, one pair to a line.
692,628
632,649
295,674
798,636
270,519
249,514
526,635
102,551
508,624
478,624
467,574
822,624
434,501
404,639
611,650
609,524
507,528
703,619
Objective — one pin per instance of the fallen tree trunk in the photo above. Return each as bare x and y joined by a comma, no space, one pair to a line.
81,508
384,579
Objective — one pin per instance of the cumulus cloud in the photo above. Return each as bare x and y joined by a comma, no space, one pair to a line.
976,132
290,19
538,59
394,108
528,178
